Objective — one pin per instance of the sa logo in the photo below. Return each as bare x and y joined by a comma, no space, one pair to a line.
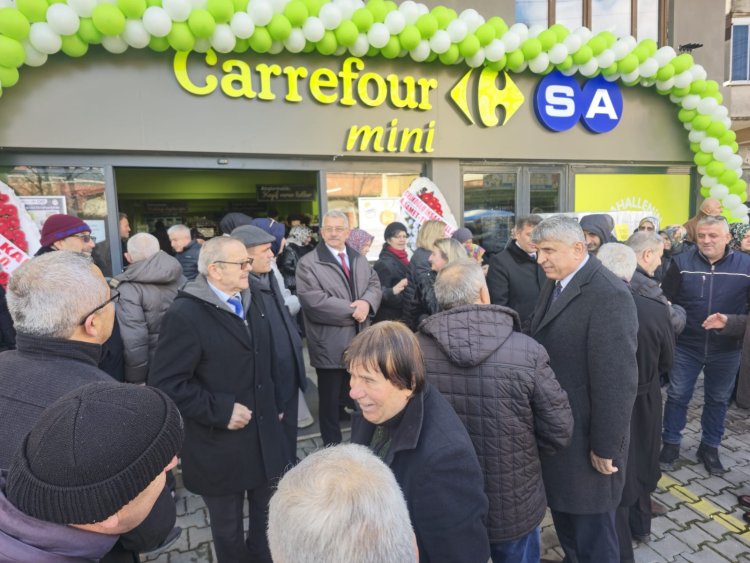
489,97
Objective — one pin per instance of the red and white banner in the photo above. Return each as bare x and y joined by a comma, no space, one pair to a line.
10,255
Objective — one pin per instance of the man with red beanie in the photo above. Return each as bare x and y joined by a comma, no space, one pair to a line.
66,232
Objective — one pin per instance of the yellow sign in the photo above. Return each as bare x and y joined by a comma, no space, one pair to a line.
665,196
489,97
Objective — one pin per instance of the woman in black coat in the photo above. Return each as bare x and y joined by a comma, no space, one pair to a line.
296,247
392,268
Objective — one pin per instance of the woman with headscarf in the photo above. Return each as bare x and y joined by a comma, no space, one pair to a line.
392,268
465,237
740,237
296,247
649,223
360,240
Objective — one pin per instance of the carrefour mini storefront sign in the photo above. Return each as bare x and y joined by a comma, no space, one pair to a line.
352,83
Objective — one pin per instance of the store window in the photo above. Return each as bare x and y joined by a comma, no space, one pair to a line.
740,52
648,20
532,12
490,208
370,200
611,15
41,191
544,191
569,13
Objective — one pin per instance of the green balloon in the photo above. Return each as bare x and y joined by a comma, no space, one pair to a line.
132,8
180,37
665,73
632,82
363,19
12,54
728,177
681,92
628,64
427,24
498,65
241,46
486,34
701,122
530,48
560,31
548,39
309,47
738,187
296,12
597,45
515,59
705,192
347,33
239,6
641,52
327,45
392,49
682,62
378,10
450,57
610,70
583,55
373,52
702,158
728,138
158,44
470,46
716,129
409,37
157,3
687,115
201,23
500,26
34,10
313,8
609,38
712,87
695,148
735,147
390,6
566,64
715,168
650,46
111,21
444,16
280,28
221,10
74,46
261,41
718,97
14,24
88,32
432,56
8,76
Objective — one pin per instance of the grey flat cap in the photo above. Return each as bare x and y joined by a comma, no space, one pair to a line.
252,236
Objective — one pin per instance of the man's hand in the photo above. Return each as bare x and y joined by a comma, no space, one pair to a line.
602,465
717,321
241,416
361,310
400,286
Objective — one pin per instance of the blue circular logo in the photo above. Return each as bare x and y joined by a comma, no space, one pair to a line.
601,105
557,102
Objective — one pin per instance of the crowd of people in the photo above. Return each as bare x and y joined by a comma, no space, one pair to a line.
482,388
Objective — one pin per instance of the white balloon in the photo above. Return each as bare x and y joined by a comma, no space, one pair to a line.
440,42
631,76
570,71
521,30
395,22
707,105
584,33
178,10
477,59
495,50
243,26
223,40
423,9
683,79
157,22
739,171
612,77
675,99
511,40
62,19
535,30
734,162
378,35
718,191
296,42
346,8
410,11
740,211
276,47
314,29
687,126
202,45
199,5
709,181
664,55
648,67
621,49
114,44
720,113
572,43
43,39
278,6
727,122
421,51
84,8
261,11
690,101
605,59
722,153
699,73
665,85
709,144
731,200
330,15
361,46
558,53
135,34
697,136
33,57
539,64
745,219
457,30
648,82
701,170
590,67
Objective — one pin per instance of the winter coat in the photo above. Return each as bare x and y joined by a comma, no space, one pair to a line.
390,271
7,332
419,269
188,259
207,359
147,289
654,356
515,280
287,263
24,539
642,284
702,289
436,467
737,326
592,322
599,224
326,297
503,390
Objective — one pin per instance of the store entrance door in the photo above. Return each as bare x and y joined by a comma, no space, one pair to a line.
495,195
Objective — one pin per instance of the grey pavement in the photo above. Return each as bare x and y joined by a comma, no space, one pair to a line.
704,522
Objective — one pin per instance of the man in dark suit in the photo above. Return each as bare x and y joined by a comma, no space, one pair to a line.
586,319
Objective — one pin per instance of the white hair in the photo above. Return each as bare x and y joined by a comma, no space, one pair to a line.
340,503
179,229
559,228
142,246
645,240
619,259
214,250
713,220
459,284
49,295
335,214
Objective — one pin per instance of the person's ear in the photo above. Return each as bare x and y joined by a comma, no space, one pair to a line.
484,295
129,258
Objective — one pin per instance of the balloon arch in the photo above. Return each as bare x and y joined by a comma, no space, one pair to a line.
31,30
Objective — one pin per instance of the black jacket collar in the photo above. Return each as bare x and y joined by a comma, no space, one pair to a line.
49,347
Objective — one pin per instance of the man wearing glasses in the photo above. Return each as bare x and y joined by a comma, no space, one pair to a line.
208,360
65,232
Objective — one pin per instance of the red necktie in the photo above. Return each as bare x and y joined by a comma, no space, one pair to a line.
342,257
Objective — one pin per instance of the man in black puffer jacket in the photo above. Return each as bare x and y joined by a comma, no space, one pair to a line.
504,391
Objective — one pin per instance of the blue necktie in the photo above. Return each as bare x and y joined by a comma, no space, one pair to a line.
557,291
237,304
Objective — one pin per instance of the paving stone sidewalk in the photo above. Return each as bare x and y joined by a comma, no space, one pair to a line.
704,523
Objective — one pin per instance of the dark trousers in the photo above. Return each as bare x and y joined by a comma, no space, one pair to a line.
289,424
226,526
587,538
632,521
330,382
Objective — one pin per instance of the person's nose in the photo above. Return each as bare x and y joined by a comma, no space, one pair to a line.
355,392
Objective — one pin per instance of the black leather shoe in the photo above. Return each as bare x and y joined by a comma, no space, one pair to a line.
746,517
658,509
744,500
710,458
670,453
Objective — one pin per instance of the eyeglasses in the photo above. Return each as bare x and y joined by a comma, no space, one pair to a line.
334,229
86,238
244,265
114,297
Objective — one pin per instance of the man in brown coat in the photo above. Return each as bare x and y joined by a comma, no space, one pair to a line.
339,292
709,207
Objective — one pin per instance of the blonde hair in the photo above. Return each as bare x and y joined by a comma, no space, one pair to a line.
452,250
429,232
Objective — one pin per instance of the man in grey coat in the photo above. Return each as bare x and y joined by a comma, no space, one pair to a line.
339,293
587,321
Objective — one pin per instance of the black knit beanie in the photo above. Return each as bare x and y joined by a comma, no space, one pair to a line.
93,451
393,229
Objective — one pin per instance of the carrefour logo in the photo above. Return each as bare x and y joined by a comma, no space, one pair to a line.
560,103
